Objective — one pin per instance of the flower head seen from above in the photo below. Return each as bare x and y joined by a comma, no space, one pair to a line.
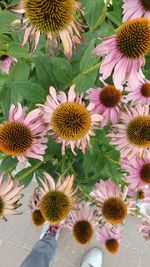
55,18
145,228
140,94
139,171
131,135
37,217
56,200
10,194
136,9
82,222
6,63
125,52
106,100
110,237
111,201
22,136
70,122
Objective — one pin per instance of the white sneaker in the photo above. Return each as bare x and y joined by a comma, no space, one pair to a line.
93,258
44,229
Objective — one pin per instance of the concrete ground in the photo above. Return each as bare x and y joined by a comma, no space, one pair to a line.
18,235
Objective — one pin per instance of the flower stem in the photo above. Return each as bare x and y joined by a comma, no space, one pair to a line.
101,17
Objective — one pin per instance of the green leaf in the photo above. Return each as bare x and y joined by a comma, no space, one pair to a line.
88,60
26,175
20,72
62,72
16,51
44,71
93,10
28,90
8,164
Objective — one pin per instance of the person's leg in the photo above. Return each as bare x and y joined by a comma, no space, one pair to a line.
43,251
93,258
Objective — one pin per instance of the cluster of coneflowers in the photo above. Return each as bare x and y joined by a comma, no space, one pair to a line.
71,122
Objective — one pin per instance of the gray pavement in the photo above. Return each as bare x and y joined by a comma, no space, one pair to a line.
18,235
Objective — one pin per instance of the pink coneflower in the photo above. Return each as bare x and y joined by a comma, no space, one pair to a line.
131,135
106,100
37,217
110,237
56,19
145,228
139,171
139,94
135,9
125,52
82,222
68,120
10,194
56,200
142,195
110,201
6,63
22,136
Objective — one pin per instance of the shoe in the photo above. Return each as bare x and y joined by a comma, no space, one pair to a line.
52,230
93,258
44,229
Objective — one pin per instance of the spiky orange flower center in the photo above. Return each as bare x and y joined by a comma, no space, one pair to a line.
133,38
50,15
71,121
37,218
55,206
138,131
15,138
145,173
114,210
83,231
145,90
110,96
146,4
141,195
1,206
112,245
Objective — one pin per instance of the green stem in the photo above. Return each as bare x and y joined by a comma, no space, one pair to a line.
84,193
101,17
112,160
96,66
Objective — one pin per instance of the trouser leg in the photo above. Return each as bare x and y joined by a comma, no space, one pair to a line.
42,253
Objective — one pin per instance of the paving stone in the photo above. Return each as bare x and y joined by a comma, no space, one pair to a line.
12,256
145,261
68,250
15,229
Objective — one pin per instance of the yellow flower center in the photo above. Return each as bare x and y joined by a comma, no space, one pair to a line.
83,232
145,173
146,4
114,210
15,138
133,38
112,245
50,15
1,206
37,218
145,90
110,96
71,121
55,206
138,131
